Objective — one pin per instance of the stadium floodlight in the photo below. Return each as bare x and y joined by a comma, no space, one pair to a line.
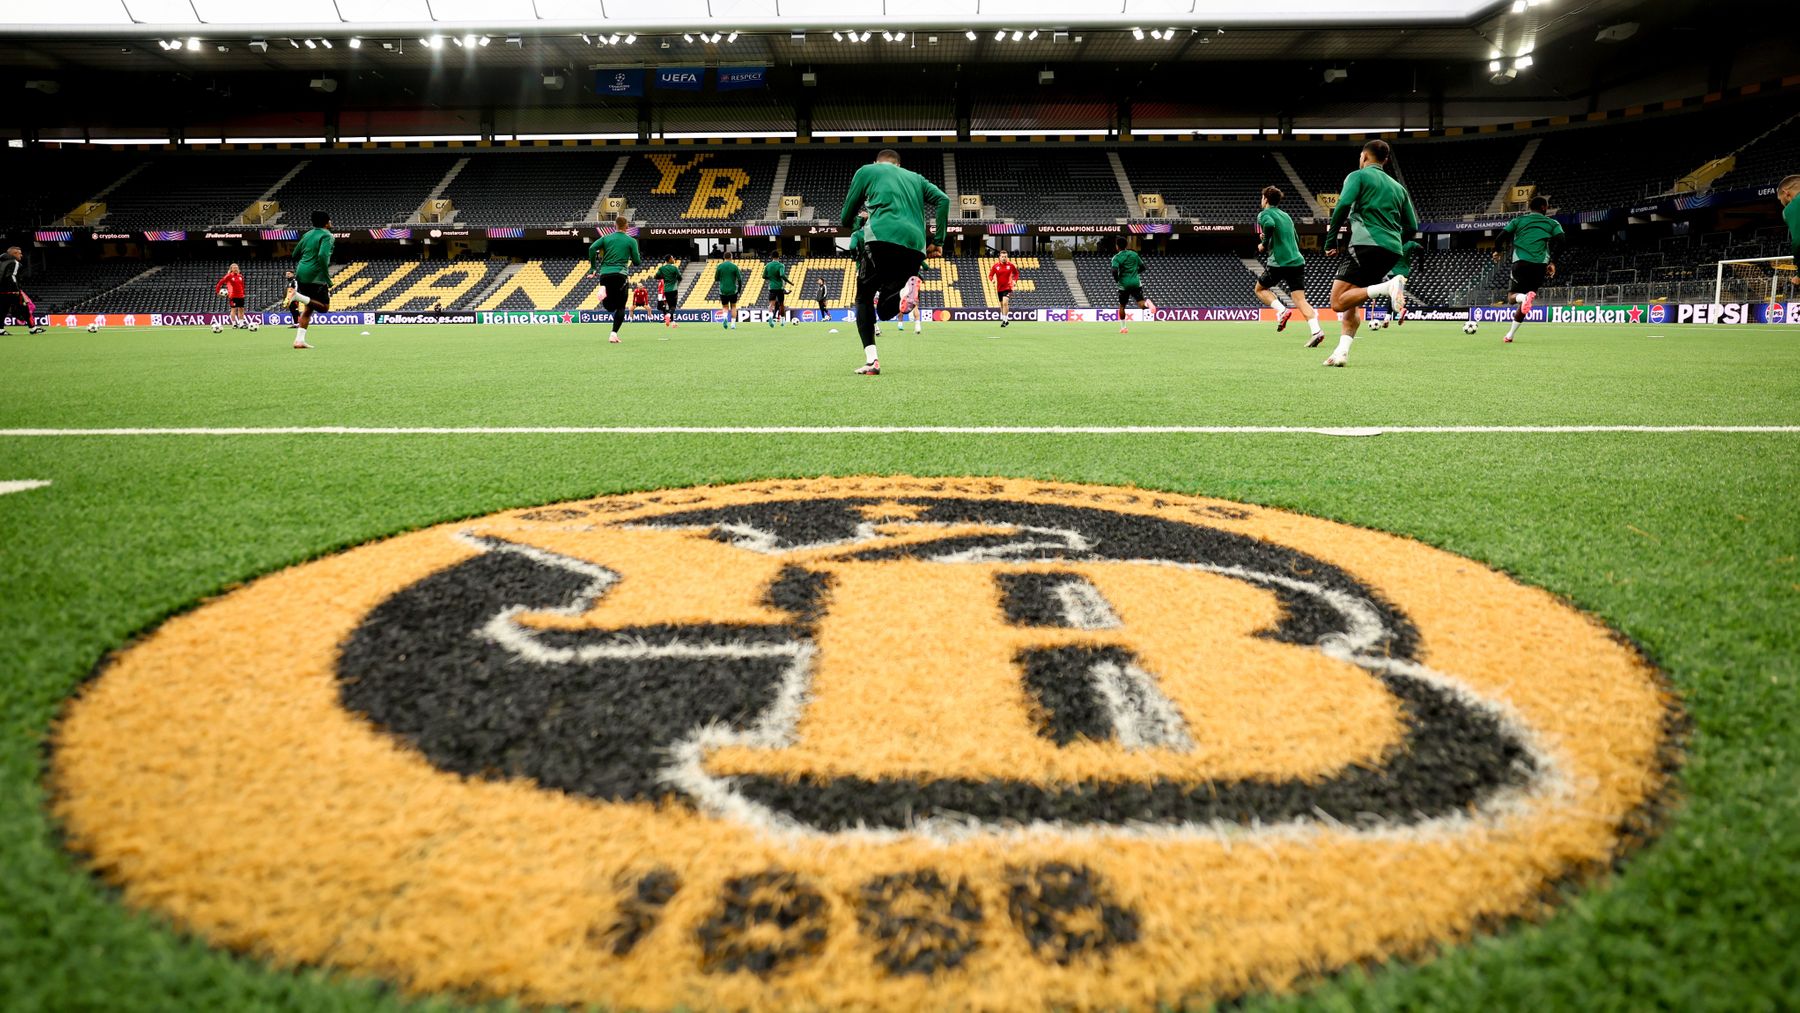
355,43
865,35
425,42
326,43
296,45
837,36
899,36
1156,33
1494,67
971,34
194,45
685,37
1523,61
730,38
1018,35
310,44
1518,6
887,36
629,39
585,40
456,39
1000,36
468,41
1138,34
1033,35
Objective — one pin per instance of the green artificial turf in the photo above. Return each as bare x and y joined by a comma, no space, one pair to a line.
1686,542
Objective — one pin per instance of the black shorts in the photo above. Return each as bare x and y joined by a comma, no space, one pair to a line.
727,298
1133,294
1367,265
1003,292
668,301
237,304
1291,278
778,296
319,296
885,268
12,304
614,289
1528,277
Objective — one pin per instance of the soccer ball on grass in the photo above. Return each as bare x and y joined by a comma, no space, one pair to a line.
1469,328
93,328
218,327
254,325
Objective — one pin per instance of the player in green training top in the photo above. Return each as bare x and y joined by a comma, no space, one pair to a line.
668,280
1531,235
776,277
731,283
1287,267
312,274
1790,212
1128,271
611,256
1381,219
895,243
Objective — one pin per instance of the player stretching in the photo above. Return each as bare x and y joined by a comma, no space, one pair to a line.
731,282
231,287
1004,274
776,276
1531,235
14,303
1381,218
894,243
610,257
1128,270
312,275
668,278
1287,267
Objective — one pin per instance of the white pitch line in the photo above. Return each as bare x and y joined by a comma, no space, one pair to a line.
878,430
21,485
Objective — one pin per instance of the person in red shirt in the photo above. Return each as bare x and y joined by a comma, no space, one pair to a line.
1004,274
232,287
640,298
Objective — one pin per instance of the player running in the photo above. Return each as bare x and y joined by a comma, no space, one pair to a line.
824,298
731,284
1287,266
1531,235
1381,217
1790,211
1004,274
1402,275
1128,271
894,243
668,281
231,288
14,303
776,277
312,275
610,257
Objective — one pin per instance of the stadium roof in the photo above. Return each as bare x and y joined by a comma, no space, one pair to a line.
146,17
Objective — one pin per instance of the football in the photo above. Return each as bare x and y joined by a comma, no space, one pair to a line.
1469,328
217,327
93,328
254,325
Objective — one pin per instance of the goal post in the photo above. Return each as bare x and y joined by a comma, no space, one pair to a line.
1759,279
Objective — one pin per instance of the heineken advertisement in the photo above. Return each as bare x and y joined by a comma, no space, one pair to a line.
1639,314
526,317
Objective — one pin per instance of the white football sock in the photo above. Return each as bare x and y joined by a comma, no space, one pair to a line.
1343,347
1384,289
869,353
1514,329
299,334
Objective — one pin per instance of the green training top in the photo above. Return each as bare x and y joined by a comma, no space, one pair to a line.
670,275
1403,269
312,257
896,200
1531,234
1278,235
775,273
1127,266
1378,207
1791,215
731,278
613,253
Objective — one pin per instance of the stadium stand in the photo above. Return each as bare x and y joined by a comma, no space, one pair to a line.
1185,279
58,288
1771,157
529,188
1216,183
362,190
1075,185
1453,179
176,192
823,178
380,285
43,186
697,188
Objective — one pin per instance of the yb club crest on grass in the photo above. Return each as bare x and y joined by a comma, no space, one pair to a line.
906,742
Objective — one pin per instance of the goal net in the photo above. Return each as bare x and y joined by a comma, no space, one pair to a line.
1764,279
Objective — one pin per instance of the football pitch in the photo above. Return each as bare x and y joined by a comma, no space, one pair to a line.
1646,475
